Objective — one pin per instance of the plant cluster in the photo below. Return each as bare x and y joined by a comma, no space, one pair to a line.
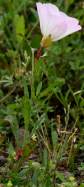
41,100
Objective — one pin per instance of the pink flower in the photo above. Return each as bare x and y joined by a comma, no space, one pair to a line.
55,24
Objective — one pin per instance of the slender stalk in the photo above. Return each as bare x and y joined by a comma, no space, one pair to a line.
32,79
28,36
8,95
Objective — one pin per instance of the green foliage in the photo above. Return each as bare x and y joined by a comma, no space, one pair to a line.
19,26
35,43
40,137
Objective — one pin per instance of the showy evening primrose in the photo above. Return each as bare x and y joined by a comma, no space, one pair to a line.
55,24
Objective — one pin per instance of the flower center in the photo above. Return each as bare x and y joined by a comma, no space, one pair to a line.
46,41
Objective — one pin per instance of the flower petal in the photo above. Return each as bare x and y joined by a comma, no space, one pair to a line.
72,25
55,23
45,11
52,9
58,28
43,17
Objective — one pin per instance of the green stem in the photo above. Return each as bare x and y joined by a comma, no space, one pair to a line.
8,95
32,84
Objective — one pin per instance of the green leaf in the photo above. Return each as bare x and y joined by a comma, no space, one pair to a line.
19,24
82,185
26,110
38,88
60,175
45,158
68,3
36,41
39,68
12,119
11,151
54,138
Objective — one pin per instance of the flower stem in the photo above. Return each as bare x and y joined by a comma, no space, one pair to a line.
32,84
